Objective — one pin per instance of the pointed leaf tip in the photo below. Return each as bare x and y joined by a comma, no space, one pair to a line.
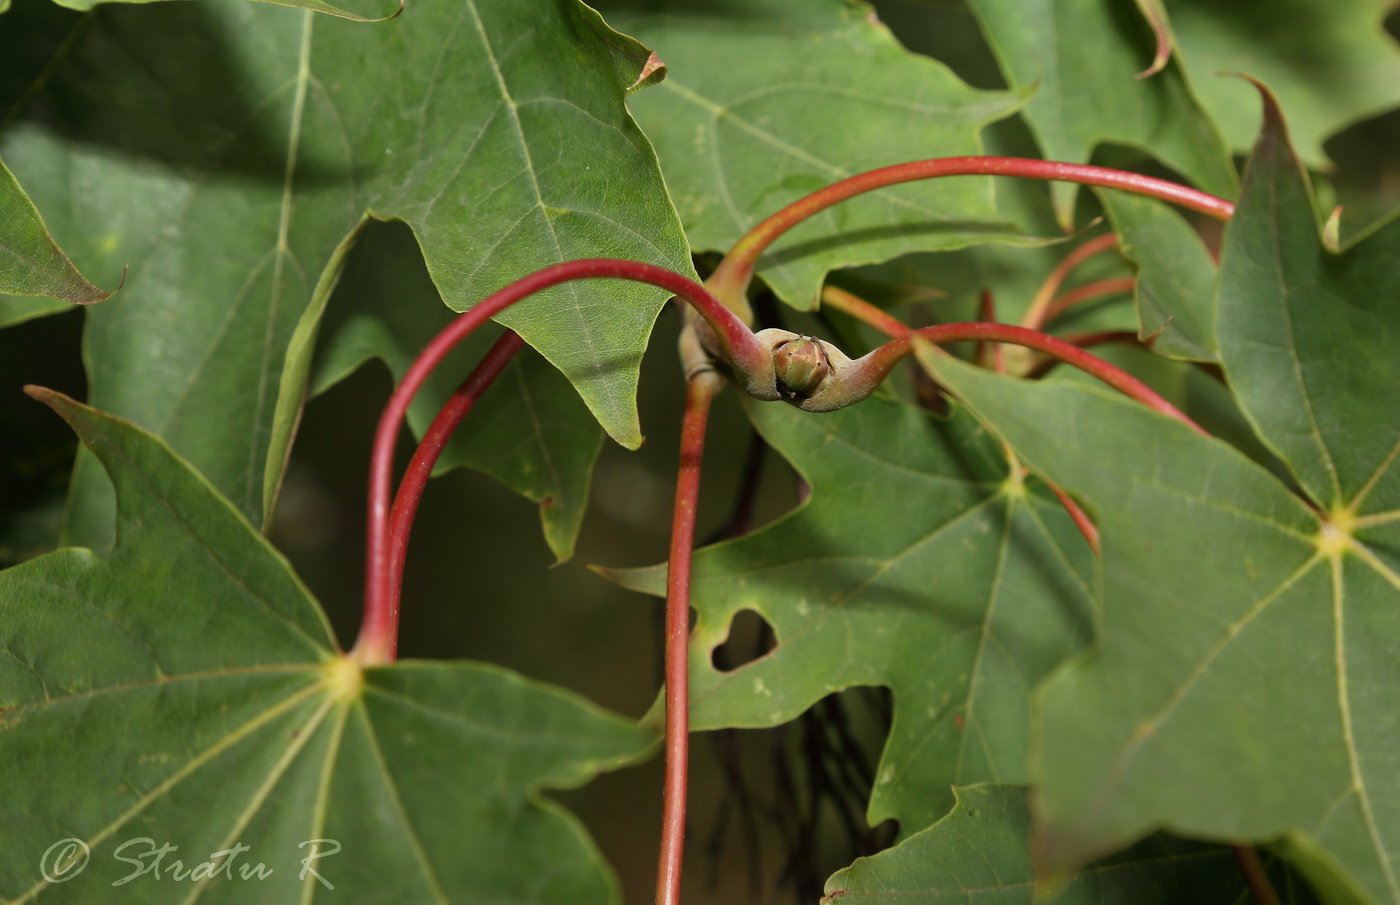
653,71
1273,114
1156,17
31,263
52,398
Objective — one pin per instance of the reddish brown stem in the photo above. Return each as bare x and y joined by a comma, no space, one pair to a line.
731,279
700,390
1077,515
1255,876
1037,312
863,311
1084,341
378,640
882,360
872,368
415,477
1094,290
996,359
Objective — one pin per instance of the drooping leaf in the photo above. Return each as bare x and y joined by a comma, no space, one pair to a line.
771,100
1309,337
1077,50
982,853
1176,277
31,263
1331,64
497,130
1246,683
916,564
186,692
530,431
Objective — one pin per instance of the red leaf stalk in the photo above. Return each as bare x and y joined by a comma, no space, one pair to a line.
872,368
700,390
875,366
378,640
863,311
1094,290
990,355
415,477
1037,312
1077,515
731,279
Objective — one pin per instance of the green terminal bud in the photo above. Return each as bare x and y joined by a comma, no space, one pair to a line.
801,366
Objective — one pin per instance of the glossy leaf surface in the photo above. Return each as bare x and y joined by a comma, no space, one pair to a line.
313,5
186,692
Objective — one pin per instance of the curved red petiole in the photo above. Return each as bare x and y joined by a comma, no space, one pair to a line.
871,369
1089,291
378,639
1037,313
415,477
731,279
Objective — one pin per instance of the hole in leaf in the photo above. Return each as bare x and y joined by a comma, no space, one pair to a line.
750,637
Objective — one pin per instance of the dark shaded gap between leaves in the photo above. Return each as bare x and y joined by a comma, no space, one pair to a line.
808,791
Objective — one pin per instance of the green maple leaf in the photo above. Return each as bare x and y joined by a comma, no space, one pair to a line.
1084,56
764,104
31,263
229,153
1176,277
1309,336
916,564
186,690
1247,683
982,852
1331,64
